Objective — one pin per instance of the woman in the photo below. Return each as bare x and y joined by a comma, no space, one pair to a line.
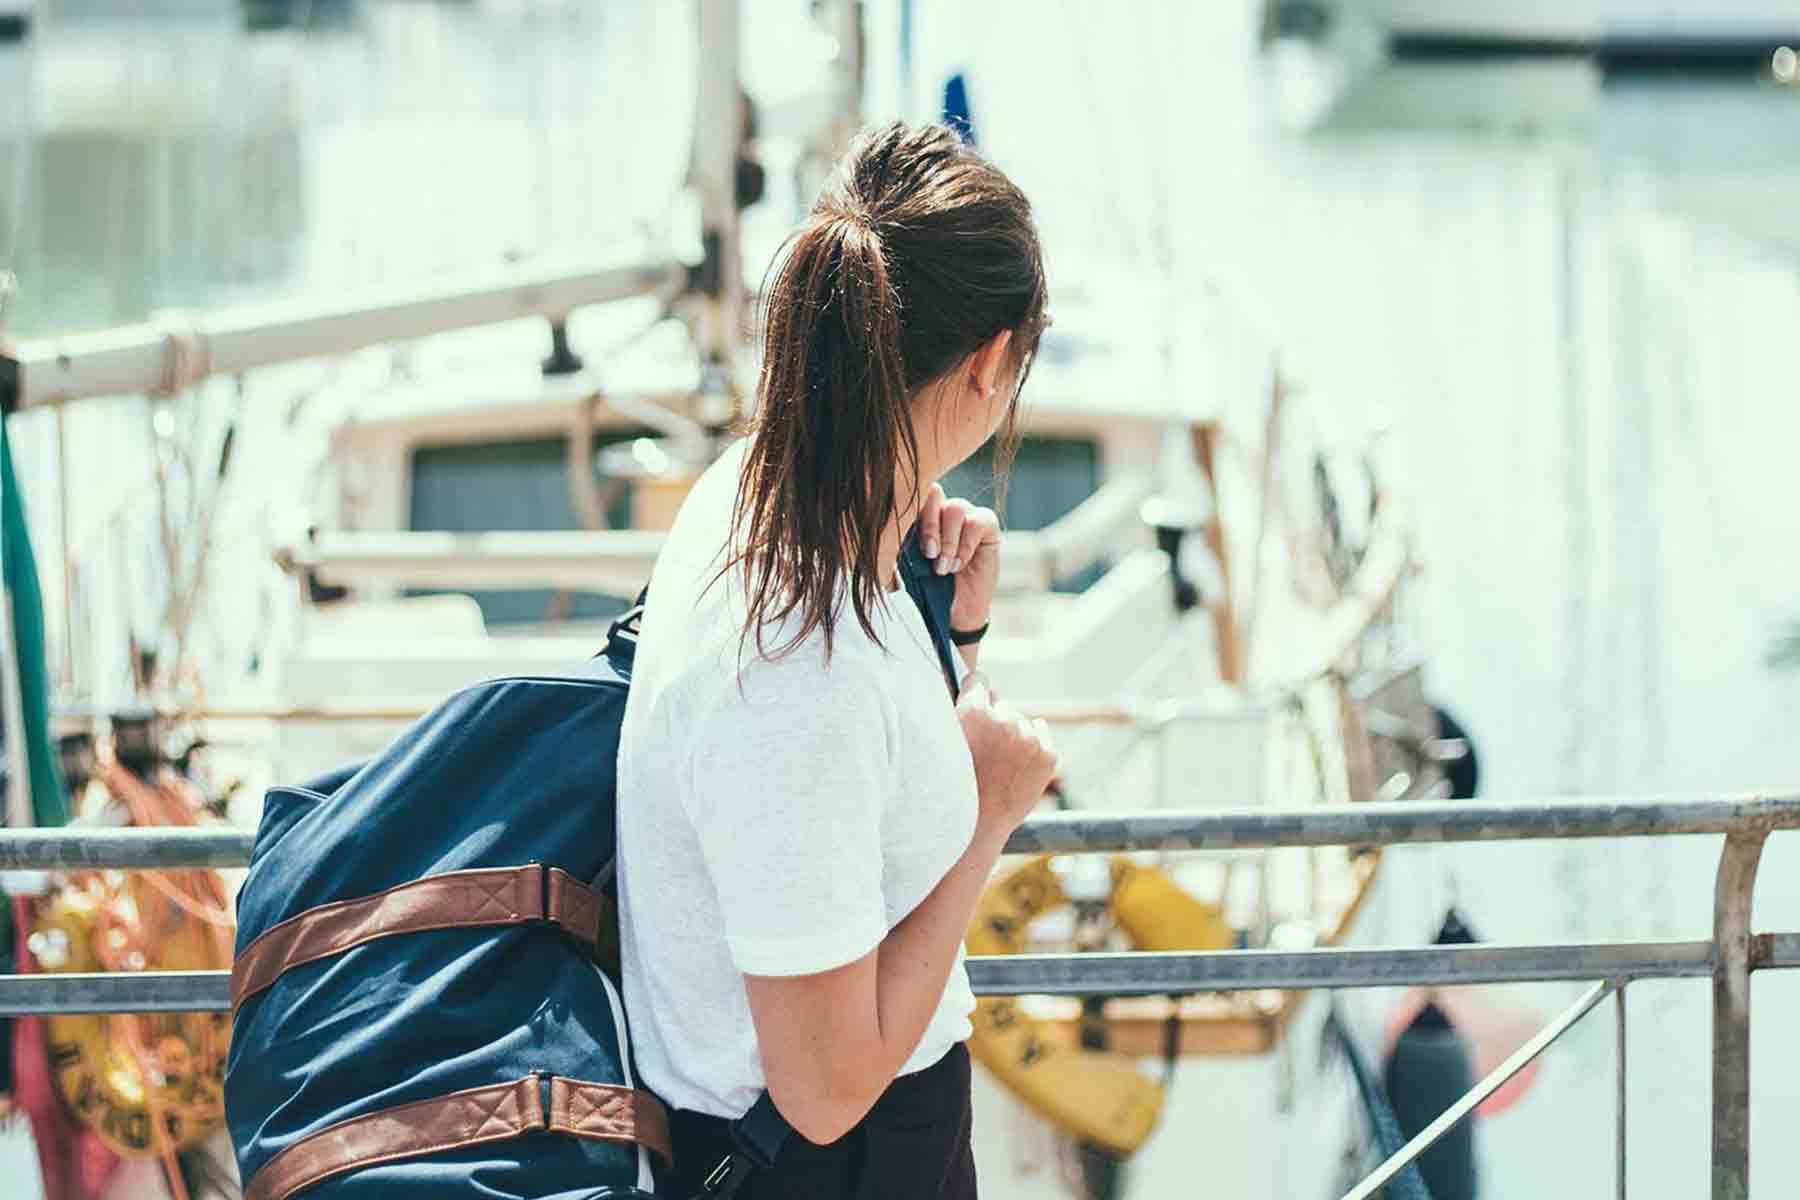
805,816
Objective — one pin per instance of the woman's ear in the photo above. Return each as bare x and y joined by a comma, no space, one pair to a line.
987,361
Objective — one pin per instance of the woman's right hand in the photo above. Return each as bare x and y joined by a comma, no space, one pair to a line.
1014,761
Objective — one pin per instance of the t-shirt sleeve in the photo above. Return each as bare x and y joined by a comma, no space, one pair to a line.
789,781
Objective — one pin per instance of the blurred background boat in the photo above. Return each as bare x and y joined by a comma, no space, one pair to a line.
1551,281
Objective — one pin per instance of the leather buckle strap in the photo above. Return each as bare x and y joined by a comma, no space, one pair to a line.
466,1118
606,1112
596,1111
484,897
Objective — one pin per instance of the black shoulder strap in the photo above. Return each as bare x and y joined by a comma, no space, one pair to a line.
756,1138
933,593
762,1131
619,651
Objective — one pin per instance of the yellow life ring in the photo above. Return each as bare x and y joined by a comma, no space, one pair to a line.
1097,1096
149,1084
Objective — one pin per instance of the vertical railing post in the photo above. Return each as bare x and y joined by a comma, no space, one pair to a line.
1620,1094
1731,1013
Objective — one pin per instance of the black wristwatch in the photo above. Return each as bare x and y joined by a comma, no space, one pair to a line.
960,637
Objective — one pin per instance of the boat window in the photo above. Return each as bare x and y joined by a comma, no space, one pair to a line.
1050,476
481,487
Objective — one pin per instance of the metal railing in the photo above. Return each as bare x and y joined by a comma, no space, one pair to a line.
1728,958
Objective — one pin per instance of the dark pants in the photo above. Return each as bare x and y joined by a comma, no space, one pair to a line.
913,1145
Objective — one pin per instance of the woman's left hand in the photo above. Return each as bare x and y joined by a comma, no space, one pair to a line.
962,539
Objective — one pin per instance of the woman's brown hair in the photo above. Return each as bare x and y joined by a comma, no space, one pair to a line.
917,253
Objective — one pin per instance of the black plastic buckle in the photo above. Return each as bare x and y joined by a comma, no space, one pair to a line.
726,1178
626,624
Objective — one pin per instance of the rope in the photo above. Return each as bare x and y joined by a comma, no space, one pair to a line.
24,151
1389,1138
199,893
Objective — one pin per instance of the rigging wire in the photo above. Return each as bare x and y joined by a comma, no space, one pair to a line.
1087,78
23,151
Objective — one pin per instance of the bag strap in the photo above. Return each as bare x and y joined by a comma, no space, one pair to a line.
479,898
535,1104
756,1138
933,593
625,625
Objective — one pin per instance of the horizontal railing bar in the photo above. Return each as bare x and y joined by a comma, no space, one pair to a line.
1775,950
166,848
1448,1119
1127,974
1164,829
1402,822
1137,973
127,991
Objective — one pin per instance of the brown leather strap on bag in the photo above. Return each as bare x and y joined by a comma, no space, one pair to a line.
456,899
606,1112
596,1111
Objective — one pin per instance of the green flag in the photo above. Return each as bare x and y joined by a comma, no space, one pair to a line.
18,572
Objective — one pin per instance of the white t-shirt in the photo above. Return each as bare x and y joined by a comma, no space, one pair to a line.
773,820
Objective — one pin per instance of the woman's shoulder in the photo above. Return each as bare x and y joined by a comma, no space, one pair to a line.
694,631
789,659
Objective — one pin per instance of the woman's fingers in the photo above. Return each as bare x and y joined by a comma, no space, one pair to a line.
952,531
975,691
930,518
980,527
953,515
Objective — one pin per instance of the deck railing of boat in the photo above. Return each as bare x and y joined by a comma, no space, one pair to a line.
1728,958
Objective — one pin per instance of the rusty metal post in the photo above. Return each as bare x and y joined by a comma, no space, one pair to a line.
1731,1012
1206,436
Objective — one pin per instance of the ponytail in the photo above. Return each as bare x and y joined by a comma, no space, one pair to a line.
917,252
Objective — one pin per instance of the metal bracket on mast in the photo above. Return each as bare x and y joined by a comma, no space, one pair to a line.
9,366
563,360
10,377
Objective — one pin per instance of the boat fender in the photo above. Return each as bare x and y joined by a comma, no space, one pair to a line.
1429,1069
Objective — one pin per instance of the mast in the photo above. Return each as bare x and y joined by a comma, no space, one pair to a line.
850,69
721,117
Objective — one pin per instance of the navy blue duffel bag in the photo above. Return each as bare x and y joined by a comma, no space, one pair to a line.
419,1005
